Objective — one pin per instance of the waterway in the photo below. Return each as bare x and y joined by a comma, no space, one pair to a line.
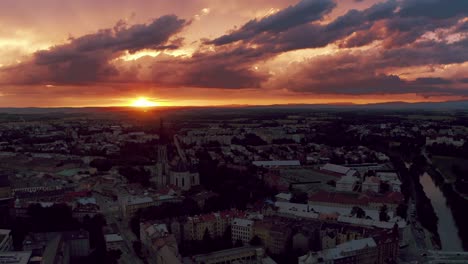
447,228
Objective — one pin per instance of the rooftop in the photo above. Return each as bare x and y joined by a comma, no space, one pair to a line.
274,163
228,252
110,238
242,222
15,257
336,168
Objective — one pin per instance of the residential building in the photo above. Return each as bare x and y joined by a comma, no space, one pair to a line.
15,257
130,204
242,229
283,197
371,184
365,200
448,140
338,170
392,179
75,243
361,251
159,244
214,223
113,241
247,255
347,183
6,242
274,233
277,163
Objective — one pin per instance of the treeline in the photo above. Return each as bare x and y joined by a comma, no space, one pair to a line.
449,150
457,204
411,187
58,218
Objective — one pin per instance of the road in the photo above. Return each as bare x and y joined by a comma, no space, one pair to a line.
109,209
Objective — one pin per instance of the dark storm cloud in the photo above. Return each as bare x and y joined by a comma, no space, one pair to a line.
356,74
86,59
304,12
438,9
228,61
393,22
425,53
228,68
120,38
432,81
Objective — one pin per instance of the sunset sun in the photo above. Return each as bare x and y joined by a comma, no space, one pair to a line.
143,102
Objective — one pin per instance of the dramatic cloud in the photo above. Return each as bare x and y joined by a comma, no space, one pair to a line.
323,47
304,12
87,59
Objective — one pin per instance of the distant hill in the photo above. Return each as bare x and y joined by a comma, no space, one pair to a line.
431,106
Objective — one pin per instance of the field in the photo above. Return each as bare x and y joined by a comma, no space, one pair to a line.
445,164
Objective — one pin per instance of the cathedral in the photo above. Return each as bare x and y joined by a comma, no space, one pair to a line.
178,174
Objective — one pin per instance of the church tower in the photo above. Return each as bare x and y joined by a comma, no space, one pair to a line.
162,164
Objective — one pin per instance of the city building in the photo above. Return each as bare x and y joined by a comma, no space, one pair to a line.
391,178
182,177
75,243
371,184
274,234
6,242
361,251
338,170
15,257
215,223
347,183
159,244
114,241
242,229
247,255
277,163
447,140
129,205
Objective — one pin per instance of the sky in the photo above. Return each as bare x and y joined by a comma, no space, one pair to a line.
56,53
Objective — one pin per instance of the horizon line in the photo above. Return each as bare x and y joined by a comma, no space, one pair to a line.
231,105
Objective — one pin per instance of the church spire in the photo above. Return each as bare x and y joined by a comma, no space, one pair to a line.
162,133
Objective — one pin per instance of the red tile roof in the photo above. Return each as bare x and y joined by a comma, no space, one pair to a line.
362,199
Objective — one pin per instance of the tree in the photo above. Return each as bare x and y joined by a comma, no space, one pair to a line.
137,247
101,164
207,242
358,212
227,238
136,175
135,225
300,197
332,183
384,187
383,216
256,241
402,211
238,243
113,256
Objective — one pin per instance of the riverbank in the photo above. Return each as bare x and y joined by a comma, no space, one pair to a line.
457,204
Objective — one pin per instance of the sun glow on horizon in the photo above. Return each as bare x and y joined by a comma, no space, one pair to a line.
144,102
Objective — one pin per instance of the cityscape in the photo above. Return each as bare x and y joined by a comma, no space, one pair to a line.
252,185
233,132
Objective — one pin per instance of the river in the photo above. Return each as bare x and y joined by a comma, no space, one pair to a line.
447,228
